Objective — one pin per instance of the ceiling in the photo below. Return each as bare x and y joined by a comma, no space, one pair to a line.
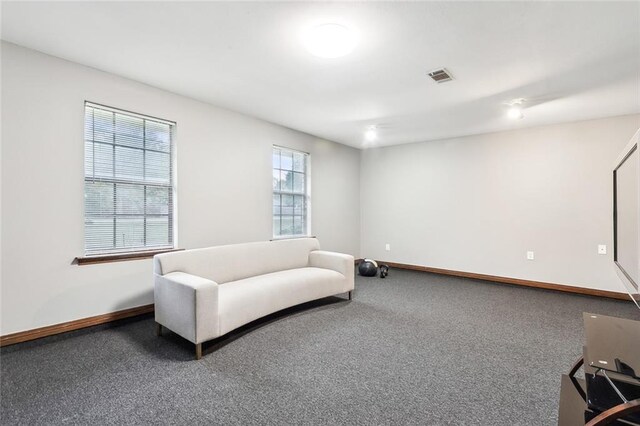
569,60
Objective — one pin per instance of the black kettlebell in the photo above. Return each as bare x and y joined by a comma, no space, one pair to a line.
384,271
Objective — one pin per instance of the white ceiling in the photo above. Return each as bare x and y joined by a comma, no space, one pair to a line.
570,60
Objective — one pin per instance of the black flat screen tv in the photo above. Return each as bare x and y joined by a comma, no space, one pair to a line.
626,217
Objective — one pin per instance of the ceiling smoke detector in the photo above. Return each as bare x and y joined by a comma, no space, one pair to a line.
440,75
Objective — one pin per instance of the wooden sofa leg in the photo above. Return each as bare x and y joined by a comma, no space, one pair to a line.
351,295
158,329
198,350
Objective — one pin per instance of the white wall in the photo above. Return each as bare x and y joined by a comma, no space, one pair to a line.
471,204
224,186
478,203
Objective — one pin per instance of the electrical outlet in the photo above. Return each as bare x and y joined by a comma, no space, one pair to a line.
531,255
387,247
602,249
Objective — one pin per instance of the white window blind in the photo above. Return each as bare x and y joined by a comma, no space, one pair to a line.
290,192
128,183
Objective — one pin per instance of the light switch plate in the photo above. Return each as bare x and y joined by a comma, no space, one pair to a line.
387,247
531,255
602,249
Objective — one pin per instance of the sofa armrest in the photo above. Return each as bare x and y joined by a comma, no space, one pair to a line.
187,305
339,262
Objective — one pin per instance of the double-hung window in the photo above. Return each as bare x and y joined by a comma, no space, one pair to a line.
290,193
128,182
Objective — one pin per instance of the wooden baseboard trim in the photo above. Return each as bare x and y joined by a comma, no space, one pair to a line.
37,333
514,281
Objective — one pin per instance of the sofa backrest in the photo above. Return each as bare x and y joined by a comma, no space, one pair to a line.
223,264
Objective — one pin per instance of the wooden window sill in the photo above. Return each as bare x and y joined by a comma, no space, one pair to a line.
119,257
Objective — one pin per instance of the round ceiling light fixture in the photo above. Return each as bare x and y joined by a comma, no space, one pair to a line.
515,109
371,134
330,40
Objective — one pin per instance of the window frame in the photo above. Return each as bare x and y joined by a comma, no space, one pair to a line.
306,194
137,252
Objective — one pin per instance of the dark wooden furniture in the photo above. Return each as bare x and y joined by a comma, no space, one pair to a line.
610,392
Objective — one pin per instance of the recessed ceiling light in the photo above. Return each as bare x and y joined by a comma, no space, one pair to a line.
330,40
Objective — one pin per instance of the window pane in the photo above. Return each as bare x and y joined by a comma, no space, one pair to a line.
130,126
276,180
158,231
298,183
88,159
276,158
276,226
129,199
98,198
106,137
129,163
276,204
286,181
157,146
287,204
158,167
287,225
129,232
157,200
298,162
129,141
298,204
297,225
103,160
102,121
158,136
88,124
98,233
286,160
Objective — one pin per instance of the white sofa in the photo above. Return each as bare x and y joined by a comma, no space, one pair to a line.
205,293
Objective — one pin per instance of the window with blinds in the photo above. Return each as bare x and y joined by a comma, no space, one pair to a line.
290,193
128,183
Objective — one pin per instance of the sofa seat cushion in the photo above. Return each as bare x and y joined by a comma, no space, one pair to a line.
243,301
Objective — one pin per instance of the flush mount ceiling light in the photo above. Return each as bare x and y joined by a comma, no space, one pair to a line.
371,134
515,112
330,40
515,109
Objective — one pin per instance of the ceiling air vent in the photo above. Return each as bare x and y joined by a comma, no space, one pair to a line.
440,75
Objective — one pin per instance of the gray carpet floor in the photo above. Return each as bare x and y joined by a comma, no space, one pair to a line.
414,348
